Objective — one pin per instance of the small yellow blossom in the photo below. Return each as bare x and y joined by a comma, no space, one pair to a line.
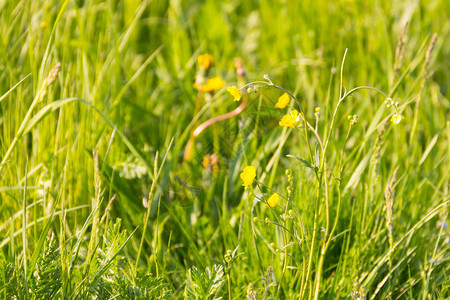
205,61
291,119
248,175
273,200
235,92
317,112
211,161
282,101
43,24
255,219
397,118
212,84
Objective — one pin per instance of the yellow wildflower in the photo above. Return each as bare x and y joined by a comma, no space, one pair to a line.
273,200
397,118
205,61
211,161
248,175
291,119
235,92
212,84
43,24
282,101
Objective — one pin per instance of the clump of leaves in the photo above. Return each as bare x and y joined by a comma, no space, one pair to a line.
46,280
115,277
43,283
204,285
10,280
109,274
144,287
131,169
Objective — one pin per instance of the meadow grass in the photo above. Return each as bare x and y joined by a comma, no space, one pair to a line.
121,197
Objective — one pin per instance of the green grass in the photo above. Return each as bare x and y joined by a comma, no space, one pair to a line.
92,163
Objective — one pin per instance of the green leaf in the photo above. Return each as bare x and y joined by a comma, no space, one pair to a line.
305,162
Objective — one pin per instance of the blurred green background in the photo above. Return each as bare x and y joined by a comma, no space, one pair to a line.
136,61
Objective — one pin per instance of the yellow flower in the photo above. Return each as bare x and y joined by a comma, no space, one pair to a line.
235,92
248,175
282,101
397,118
273,200
211,161
205,61
212,84
291,119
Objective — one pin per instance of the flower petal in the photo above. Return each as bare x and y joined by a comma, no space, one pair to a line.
273,200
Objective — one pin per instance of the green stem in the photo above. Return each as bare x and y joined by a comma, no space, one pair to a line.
156,174
341,100
229,286
286,242
339,190
24,233
313,242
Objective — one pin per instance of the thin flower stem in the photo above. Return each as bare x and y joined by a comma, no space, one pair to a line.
327,228
313,242
341,100
286,242
341,160
304,240
156,174
147,213
287,230
229,286
341,85
272,190
339,190
254,82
